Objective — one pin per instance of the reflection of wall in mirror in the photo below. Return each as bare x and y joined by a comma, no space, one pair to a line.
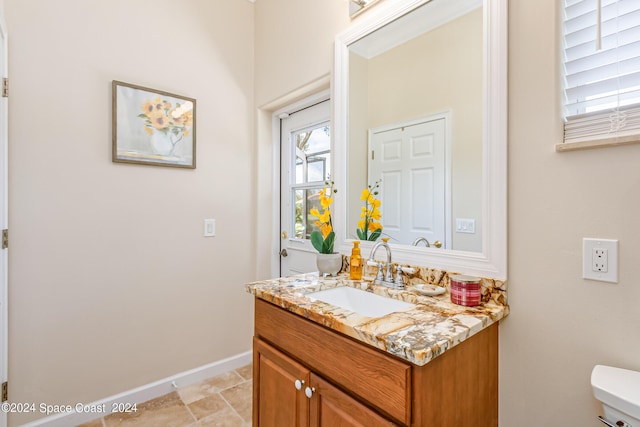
435,72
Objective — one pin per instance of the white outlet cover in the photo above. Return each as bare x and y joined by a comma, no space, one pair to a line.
588,272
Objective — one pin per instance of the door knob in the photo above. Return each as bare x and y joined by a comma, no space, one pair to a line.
437,244
284,253
299,384
284,234
309,391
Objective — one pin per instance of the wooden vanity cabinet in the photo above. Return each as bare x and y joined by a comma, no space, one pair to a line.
277,401
280,403
354,384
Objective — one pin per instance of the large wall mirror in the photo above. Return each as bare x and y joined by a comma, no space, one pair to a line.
420,102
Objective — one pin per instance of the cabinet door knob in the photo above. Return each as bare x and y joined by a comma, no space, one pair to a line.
299,384
309,391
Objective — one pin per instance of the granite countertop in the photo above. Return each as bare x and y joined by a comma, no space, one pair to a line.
417,335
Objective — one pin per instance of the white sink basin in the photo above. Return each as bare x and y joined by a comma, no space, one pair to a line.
361,302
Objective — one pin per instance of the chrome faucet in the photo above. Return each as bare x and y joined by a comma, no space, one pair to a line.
385,279
421,239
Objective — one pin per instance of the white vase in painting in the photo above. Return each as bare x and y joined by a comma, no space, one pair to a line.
164,144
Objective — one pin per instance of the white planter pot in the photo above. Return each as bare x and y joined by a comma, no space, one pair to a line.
329,264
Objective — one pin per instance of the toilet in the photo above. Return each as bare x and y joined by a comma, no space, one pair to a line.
619,391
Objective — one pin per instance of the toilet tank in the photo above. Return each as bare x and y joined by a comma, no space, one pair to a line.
619,391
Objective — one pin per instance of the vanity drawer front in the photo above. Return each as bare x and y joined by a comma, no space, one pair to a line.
380,380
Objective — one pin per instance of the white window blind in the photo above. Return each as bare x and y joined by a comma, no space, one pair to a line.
602,70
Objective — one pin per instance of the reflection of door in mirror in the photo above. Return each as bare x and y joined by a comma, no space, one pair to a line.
434,71
410,162
304,168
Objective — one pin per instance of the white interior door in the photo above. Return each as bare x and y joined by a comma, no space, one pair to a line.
305,165
410,160
4,203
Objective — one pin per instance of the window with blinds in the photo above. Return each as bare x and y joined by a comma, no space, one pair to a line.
602,71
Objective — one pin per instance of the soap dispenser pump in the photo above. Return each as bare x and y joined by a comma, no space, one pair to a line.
355,262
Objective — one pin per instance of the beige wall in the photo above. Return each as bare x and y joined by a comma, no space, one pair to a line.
112,285
549,345
294,43
560,325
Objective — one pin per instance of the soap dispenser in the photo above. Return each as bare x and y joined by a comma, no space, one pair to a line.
355,262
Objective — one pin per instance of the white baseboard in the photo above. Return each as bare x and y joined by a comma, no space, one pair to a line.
146,392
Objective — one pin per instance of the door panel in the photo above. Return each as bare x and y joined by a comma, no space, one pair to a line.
410,160
331,407
305,166
279,403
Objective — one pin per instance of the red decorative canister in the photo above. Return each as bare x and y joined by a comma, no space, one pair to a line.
465,290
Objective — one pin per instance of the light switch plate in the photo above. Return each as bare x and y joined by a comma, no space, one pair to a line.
466,225
600,259
209,228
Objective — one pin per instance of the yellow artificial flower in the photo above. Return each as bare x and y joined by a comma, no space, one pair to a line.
373,226
375,214
323,238
368,228
326,228
326,216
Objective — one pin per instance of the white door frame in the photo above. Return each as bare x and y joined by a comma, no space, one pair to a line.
4,214
275,138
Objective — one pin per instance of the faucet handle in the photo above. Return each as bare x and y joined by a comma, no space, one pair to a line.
379,276
408,270
398,280
400,270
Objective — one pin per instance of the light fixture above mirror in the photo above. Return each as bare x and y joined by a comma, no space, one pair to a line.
489,258
358,6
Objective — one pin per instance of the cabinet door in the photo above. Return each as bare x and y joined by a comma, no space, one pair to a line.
330,407
277,401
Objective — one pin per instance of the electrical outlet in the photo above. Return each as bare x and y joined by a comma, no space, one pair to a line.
600,259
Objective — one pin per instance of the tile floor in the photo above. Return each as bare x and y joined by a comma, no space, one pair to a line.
223,401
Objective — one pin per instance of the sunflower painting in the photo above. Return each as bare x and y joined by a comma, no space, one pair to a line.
153,127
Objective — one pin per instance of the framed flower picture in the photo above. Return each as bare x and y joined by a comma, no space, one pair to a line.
153,127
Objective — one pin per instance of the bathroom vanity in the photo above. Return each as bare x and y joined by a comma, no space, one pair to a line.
432,364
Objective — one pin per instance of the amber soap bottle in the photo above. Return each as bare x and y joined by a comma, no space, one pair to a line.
355,262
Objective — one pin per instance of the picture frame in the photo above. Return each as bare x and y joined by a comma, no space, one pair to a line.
152,127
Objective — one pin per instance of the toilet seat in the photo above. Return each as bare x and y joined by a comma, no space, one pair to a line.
617,388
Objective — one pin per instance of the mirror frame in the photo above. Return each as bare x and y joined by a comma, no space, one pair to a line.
492,261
